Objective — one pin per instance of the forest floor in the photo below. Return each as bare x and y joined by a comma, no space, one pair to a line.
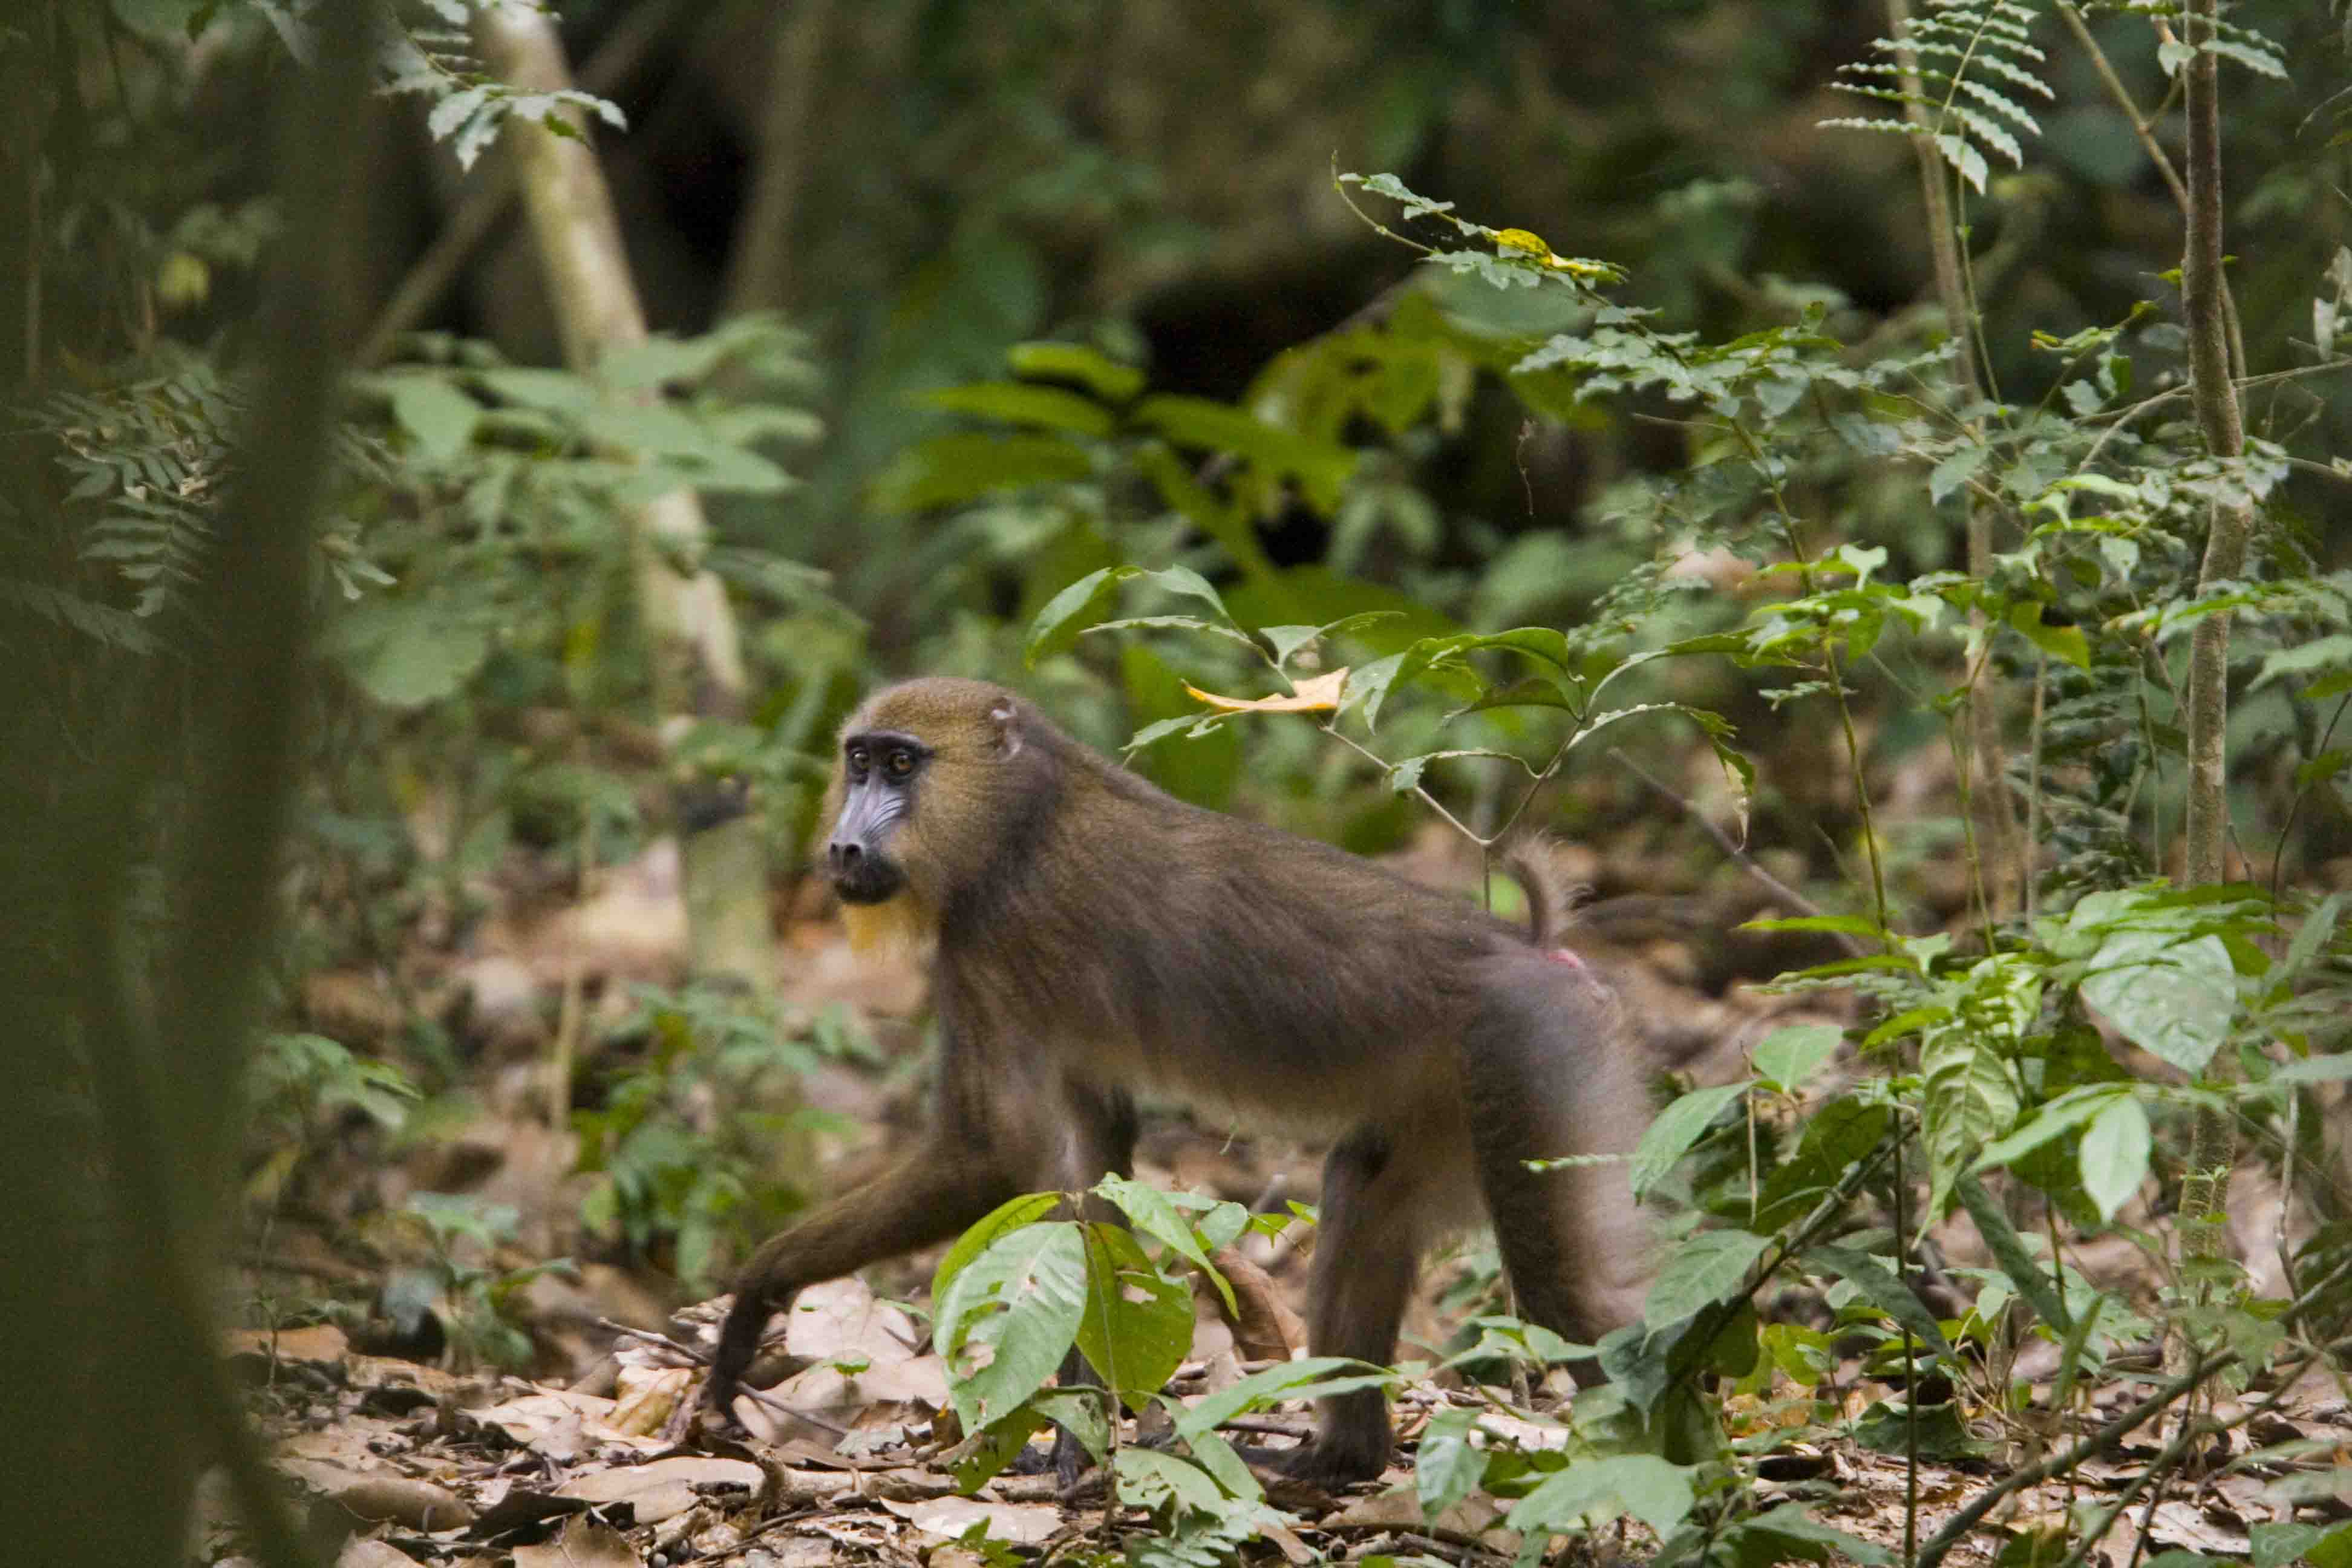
600,1459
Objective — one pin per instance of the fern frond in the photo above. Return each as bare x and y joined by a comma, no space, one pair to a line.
1958,50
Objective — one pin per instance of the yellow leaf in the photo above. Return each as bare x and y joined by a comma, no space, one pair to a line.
1319,695
1521,240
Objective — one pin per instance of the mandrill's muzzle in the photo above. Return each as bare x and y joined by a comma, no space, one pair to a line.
859,874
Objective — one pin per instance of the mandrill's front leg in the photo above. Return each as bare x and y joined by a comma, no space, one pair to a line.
928,1196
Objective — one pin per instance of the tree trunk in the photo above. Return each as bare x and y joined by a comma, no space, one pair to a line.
760,277
698,660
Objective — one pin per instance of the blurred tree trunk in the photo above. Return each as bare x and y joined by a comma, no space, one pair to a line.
128,984
760,274
697,657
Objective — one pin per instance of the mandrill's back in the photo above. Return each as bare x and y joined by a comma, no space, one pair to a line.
1258,960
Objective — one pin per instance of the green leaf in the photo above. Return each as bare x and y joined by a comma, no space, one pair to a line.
1321,468
1788,1534
1404,776
2316,1069
1148,1479
1652,1490
1259,1389
439,416
2174,998
1971,1099
2032,1281
1791,1054
1677,1127
1001,1221
1883,1291
1138,1324
951,469
2115,1153
1067,613
1448,1467
1150,1210
1048,407
1836,1135
1098,372
417,657
1009,1316
552,390
1710,1267
2059,642
2279,1544
1955,472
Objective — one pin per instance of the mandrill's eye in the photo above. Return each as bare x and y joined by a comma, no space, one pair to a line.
857,759
901,764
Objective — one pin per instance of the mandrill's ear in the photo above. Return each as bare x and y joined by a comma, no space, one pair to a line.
1008,729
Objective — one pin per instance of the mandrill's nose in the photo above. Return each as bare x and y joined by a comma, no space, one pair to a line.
844,858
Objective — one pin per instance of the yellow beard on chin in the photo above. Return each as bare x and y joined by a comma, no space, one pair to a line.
900,923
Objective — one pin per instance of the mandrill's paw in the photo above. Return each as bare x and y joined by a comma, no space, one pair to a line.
1332,1462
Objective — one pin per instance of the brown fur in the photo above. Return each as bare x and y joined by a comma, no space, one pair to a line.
1093,935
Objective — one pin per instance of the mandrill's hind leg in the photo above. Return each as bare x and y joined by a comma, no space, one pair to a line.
1544,1076
1368,1247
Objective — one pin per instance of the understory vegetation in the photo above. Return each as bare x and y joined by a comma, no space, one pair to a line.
1930,608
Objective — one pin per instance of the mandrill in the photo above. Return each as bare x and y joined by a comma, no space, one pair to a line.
1092,936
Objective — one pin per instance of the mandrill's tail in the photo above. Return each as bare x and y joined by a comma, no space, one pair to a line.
1551,899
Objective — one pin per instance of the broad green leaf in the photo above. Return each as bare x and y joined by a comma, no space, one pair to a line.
951,469
1213,1454
417,657
1321,468
1070,612
1652,1490
1971,1099
1075,607
1009,1316
1048,407
554,390
1150,1210
1448,1466
436,414
1791,1054
2053,1120
2115,1153
1709,1267
1955,472
2059,642
2174,998
1138,1324
1677,1127
1787,1533
1098,372
1002,1220
1148,1479
2316,1069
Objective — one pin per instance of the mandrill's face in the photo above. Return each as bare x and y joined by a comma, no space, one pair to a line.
880,772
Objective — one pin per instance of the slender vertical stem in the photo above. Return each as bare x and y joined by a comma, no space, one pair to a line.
2230,524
